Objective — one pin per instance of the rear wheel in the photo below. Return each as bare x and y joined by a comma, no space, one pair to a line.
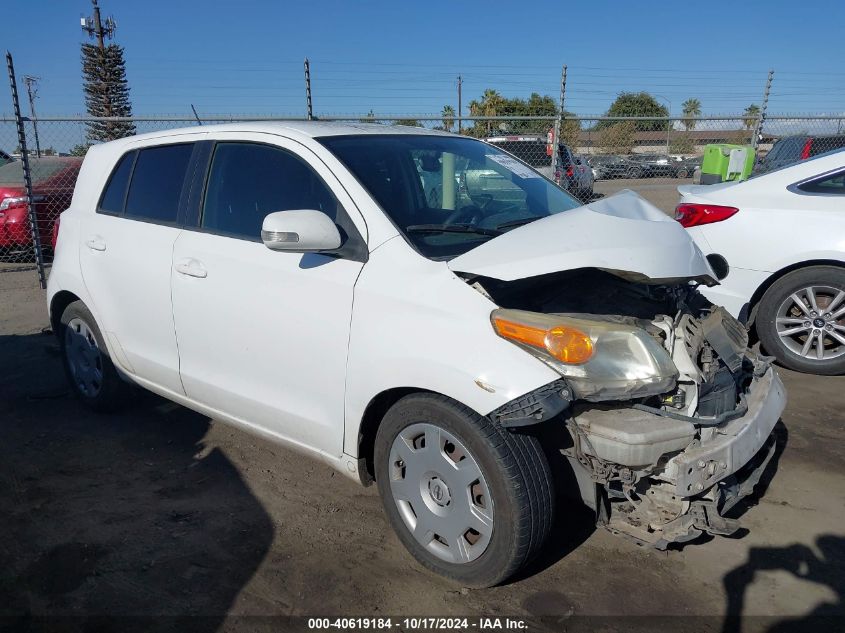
470,500
683,172
801,320
89,369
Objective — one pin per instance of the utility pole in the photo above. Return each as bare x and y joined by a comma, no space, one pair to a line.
460,83
558,125
758,128
96,28
308,106
32,92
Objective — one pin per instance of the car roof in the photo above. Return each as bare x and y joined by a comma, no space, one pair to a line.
312,129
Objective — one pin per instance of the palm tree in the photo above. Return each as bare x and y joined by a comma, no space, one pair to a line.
491,101
691,108
751,113
448,114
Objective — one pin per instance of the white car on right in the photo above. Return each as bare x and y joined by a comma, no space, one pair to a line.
782,235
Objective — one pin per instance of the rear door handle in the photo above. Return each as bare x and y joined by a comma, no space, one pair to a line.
96,243
192,268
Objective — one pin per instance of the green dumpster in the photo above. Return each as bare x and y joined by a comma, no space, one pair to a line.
724,162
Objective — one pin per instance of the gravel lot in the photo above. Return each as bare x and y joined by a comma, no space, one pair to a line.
160,511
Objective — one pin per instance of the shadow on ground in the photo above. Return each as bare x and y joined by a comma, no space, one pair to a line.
823,565
114,515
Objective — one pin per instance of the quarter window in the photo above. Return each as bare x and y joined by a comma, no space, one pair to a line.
832,185
248,181
157,182
115,193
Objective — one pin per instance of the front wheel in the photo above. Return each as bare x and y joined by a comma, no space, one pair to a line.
801,320
470,500
89,369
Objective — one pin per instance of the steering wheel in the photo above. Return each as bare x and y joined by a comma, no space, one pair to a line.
469,214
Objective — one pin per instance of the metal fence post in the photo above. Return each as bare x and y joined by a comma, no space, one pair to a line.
558,125
758,128
308,106
27,179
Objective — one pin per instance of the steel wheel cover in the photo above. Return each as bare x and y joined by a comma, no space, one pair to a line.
83,357
441,493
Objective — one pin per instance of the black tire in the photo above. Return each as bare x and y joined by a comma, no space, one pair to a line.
113,390
517,475
682,173
776,295
634,173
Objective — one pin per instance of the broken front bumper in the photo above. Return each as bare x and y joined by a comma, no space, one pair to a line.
692,492
732,445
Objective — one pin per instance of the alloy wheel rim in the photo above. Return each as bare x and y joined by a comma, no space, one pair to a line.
84,357
441,493
811,322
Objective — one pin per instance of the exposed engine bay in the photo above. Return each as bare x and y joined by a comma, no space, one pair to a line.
663,460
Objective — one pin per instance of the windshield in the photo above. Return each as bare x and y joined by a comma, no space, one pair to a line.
448,194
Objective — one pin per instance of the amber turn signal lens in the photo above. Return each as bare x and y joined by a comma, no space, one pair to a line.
569,345
566,344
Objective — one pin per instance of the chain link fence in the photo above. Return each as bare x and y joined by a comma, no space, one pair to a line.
627,148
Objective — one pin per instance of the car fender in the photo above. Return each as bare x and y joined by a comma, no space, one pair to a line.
416,324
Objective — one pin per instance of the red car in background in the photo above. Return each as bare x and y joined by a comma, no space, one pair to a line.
53,180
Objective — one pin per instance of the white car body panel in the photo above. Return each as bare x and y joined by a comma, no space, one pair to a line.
774,229
273,351
623,232
438,337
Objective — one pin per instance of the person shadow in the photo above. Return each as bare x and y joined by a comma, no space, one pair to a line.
827,567
115,522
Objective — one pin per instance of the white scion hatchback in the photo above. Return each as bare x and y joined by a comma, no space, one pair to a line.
424,311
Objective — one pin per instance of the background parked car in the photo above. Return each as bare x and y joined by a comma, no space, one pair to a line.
53,179
650,166
685,167
607,166
583,178
793,149
781,234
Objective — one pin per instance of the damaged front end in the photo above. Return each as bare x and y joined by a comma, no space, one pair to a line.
669,413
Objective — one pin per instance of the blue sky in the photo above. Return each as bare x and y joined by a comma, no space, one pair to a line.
403,57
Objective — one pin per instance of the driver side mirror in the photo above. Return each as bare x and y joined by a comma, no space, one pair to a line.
301,231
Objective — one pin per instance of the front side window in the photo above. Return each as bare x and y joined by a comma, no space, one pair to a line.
447,194
157,182
248,181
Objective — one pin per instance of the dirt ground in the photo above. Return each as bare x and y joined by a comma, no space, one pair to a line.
158,511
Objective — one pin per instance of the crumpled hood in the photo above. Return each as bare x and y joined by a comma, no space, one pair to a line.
623,234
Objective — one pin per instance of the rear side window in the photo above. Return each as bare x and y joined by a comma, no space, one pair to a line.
157,182
831,185
248,181
115,193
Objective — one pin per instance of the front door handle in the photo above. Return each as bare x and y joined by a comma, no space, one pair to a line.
96,243
192,268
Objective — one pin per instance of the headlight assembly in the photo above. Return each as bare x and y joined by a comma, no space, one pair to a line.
600,360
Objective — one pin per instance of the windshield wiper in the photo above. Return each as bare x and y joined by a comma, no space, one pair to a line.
451,228
519,222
